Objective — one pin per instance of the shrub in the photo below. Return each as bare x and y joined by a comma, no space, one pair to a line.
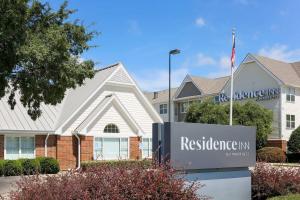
269,181
104,182
294,141
12,168
144,164
30,166
293,157
271,154
2,167
48,165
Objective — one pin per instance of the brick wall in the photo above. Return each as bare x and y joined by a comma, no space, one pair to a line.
67,152
1,146
278,143
86,150
135,152
40,145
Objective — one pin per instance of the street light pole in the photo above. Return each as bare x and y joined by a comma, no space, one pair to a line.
172,52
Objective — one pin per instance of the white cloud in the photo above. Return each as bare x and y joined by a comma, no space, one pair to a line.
280,52
156,80
224,62
200,22
203,60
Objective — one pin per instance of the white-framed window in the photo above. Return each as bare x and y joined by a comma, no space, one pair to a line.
106,148
290,95
19,147
147,148
111,128
163,108
185,106
290,121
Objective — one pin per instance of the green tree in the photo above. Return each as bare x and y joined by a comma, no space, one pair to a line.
247,114
294,141
40,53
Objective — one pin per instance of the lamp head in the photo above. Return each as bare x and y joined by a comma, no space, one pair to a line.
174,51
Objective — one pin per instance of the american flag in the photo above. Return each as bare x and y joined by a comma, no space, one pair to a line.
233,50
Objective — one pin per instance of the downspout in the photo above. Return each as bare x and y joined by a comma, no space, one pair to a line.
78,152
46,145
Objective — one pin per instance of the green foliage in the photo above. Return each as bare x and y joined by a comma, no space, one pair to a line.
287,197
12,168
40,53
294,141
48,165
30,166
143,164
247,114
2,167
271,154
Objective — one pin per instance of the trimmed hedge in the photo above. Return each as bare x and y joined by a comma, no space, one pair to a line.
294,141
13,168
144,164
48,165
271,154
28,166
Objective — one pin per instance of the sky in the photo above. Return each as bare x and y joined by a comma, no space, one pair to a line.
140,33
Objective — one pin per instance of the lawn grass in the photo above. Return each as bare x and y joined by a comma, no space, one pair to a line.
287,197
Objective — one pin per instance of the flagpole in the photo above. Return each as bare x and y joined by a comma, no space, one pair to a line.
231,81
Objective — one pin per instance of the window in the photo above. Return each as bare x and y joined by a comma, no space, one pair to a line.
290,121
163,108
147,148
290,95
19,147
111,128
184,107
110,148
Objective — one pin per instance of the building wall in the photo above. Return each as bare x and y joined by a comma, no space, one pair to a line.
292,108
40,145
112,115
165,117
252,77
135,152
67,152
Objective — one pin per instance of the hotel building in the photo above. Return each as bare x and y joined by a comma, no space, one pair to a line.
271,83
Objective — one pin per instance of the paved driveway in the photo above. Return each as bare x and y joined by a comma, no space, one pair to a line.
7,184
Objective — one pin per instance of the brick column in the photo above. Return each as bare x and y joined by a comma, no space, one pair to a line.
67,152
87,149
278,143
135,152
1,147
40,146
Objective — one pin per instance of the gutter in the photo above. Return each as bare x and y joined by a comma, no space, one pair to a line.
46,145
78,151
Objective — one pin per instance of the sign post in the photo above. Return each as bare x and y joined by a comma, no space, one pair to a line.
218,156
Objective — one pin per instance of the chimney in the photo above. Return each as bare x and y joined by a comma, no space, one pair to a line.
155,95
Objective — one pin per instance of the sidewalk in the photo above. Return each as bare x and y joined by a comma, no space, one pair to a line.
7,184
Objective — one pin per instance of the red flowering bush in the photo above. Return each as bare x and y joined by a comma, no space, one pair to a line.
106,182
269,181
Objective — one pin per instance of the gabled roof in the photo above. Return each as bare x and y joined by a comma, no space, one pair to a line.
162,96
52,116
209,86
95,115
288,73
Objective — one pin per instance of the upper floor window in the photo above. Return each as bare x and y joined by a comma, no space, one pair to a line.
111,128
290,95
290,121
163,108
